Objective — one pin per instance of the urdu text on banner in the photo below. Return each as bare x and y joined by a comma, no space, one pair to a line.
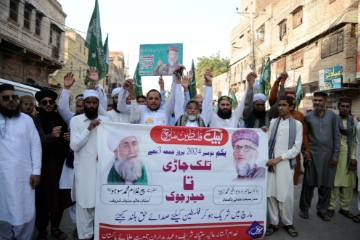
179,183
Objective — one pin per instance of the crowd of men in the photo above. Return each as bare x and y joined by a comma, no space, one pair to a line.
48,153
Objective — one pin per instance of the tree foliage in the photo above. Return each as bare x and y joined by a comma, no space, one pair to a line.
216,64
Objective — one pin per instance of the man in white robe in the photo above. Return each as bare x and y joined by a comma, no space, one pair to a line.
153,113
83,142
285,139
20,165
225,117
119,117
193,116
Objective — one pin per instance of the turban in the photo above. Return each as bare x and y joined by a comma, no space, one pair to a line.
320,94
259,96
115,92
225,98
114,139
245,134
6,87
45,93
173,48
90,93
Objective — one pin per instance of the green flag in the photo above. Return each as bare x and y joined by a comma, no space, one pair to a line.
298,93
234,100
192,85
96,56
106,52
265,78
138,83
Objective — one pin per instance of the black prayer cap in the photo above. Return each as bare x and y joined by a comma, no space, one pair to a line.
320,94
45,93
80,96
345,99
6,87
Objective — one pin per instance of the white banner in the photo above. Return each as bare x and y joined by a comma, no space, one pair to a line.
169,182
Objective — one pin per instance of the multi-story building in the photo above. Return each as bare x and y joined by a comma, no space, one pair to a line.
31,40
75,61
316,40
116,75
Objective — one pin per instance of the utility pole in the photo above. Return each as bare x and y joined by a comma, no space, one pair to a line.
252,33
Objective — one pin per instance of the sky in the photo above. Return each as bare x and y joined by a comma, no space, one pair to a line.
203,26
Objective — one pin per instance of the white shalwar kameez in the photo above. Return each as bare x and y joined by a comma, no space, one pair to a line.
84,144
280,186
20,151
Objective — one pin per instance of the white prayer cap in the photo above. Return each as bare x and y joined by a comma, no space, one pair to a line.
116,137
115,91
90,93
259,96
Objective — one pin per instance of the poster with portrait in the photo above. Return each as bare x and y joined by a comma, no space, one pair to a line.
160,59
167,182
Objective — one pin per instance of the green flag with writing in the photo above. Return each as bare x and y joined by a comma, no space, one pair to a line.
96,57
138,83
298,93
265,78
192,85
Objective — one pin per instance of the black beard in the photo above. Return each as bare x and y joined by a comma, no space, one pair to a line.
10,113
47,115
91,113
154,110
114,105
259,114
223,115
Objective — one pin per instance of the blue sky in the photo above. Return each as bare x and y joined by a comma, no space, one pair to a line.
203,26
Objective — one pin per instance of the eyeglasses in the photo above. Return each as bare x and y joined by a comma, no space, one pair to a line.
46,102
245,148
7,98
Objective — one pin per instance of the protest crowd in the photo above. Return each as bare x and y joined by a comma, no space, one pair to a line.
49,155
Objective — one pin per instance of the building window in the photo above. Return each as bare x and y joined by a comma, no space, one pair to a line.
332,45
55,40
38,20
282,29
80,73
14,9
51,35
297,17
27,16
297,59
260,33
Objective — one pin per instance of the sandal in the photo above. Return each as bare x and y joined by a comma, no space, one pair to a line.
291,230
271,229
58,234
330,212
346,213
323,216
356,219
304,213
42,235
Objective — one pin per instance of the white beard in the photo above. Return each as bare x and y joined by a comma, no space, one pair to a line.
243,169
129,170
171,63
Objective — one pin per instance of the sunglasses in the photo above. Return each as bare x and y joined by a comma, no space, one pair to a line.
46,102
7,98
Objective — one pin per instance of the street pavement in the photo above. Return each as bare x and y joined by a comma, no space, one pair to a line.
312,228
